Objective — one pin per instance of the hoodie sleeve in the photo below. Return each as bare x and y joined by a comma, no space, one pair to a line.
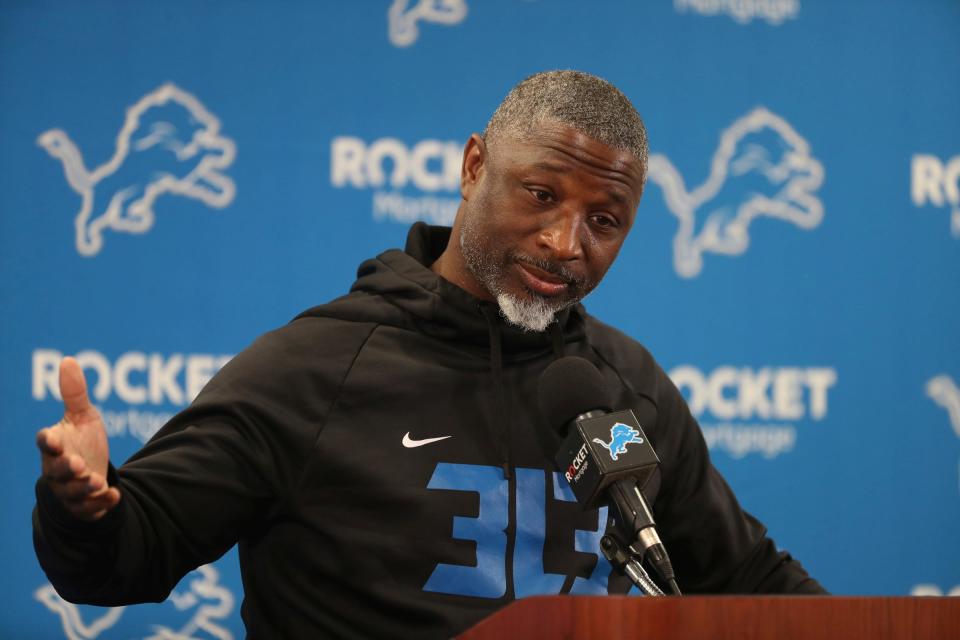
217,472
185,499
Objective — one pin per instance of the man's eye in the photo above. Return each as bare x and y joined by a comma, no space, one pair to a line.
541,195
605,222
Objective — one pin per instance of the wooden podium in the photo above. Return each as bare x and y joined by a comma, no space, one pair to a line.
723,618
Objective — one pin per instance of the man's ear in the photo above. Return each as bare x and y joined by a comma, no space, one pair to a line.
474,161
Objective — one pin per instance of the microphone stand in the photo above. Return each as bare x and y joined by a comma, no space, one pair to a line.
636,519
628,564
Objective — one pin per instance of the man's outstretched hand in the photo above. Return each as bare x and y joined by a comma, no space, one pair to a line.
74,452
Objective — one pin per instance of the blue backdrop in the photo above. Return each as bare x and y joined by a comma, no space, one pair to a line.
179,177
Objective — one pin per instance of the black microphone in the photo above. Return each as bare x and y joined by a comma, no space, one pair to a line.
605,456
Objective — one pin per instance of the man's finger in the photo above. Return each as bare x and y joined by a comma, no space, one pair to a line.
65,468
73,387
94,508
79,490
109,498
49,441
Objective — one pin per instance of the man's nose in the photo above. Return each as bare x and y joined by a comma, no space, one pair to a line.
561,235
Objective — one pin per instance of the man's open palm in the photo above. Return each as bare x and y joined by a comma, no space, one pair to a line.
74,453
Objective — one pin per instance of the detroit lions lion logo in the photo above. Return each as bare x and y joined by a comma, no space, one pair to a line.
945,392
402,22
169,144
761,168
200,605
620,436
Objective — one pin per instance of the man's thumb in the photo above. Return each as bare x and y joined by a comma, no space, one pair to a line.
73,387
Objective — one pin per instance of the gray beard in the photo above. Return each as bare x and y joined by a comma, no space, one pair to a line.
530,314
534,314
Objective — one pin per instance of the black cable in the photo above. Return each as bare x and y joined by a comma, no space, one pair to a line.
675,588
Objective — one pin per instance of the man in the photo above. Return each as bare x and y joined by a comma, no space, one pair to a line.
381,460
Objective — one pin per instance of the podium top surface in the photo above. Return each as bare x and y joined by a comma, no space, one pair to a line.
724,617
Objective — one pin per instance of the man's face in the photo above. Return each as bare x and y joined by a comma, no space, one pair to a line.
544,218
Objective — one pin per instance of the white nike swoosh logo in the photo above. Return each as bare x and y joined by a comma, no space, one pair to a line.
410,443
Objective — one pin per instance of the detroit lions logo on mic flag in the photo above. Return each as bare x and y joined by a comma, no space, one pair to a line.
620,436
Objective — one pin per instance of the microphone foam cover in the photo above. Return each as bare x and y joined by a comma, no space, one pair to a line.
570,387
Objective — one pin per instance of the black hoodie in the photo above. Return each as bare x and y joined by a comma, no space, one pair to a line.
382,462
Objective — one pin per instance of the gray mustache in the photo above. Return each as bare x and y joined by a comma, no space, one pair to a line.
551,267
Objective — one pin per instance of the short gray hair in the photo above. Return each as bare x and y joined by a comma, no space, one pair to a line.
585,102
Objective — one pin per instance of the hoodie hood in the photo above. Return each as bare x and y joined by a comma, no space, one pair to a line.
397,288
